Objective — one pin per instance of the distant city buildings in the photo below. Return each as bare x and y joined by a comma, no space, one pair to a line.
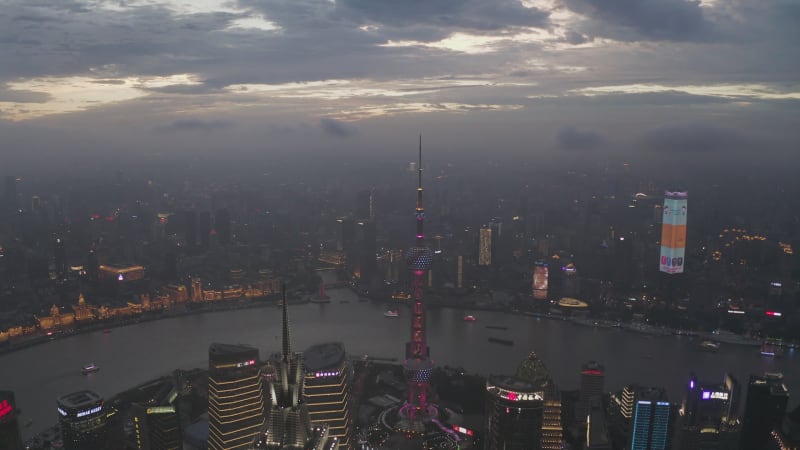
485,247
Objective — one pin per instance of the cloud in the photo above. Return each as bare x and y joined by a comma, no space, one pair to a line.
194,125
570,138
22,96
669,20
333,127
693,138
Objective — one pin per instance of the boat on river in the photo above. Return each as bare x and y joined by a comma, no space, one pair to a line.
709,346
90,368
495,340
391,313
771,350
469,318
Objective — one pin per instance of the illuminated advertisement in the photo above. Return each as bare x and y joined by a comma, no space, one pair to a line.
540,277
709,395
673,232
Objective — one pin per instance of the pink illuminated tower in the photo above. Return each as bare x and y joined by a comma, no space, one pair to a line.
417,366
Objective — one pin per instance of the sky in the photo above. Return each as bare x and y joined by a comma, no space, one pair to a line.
97,80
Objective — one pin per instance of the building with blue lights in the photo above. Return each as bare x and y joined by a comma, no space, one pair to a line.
651,426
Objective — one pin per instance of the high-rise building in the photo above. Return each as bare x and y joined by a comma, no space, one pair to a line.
83,419
10,437
204,228
533,370
540,280
485,247
289,424
767,398
673,232
364,205
222,225
651,425
591,389
708,419
417,366
235,396
60,258
190,227
328,378
156,423
514,414
367,248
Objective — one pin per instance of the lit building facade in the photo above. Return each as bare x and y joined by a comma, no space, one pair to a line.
83,419
235,396
485,247
156,427
328,378
651,425
10,436
121,273
673,232
541,274
514,414
591,388
708,416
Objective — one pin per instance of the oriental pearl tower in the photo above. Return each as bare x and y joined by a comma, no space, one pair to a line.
417,366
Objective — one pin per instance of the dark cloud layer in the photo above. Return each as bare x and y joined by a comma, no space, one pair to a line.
570,138
194,125
671,20
693,138
337,128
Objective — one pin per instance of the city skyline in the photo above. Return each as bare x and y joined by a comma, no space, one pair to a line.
160,78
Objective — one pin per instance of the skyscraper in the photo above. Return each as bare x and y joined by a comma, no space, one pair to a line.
222,224
709,415
289,424
328,379
591,388
514,414
83,416
767,398
485,247
235,396
10,437
673,232
156,423
418,366
651,426
533,370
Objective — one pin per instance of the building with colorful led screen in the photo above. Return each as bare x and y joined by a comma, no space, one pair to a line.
673,232
540,280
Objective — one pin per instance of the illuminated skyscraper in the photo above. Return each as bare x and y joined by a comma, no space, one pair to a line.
10,437
673,232
591,392
651,425
540,280
418,366
533,370
289,425
485,247
327,390
514,414
708,420
83,419
235,396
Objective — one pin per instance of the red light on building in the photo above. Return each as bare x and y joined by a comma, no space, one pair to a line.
5,408
592,372
774,314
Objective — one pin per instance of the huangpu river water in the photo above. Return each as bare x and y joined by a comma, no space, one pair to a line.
133,354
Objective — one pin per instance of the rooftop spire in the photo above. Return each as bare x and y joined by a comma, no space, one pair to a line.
286,347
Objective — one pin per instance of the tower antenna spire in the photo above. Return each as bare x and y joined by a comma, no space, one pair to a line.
286,347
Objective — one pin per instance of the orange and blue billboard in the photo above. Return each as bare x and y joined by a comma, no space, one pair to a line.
673,232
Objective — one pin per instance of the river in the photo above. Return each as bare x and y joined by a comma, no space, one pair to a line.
136,353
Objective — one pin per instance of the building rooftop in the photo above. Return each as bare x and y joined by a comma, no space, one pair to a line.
513,383
323,356
229,353
79,399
